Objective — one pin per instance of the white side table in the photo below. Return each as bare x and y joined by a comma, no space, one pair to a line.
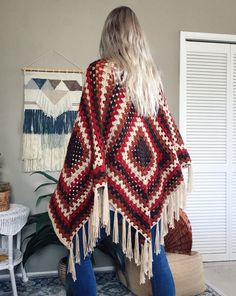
11,223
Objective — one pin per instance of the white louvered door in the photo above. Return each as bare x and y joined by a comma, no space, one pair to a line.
208,124
233,145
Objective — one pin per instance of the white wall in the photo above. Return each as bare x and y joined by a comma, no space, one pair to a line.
29,28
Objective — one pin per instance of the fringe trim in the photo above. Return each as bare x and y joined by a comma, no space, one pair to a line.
44,152
37,122
129,250
115,237
85,242
157,240
150,259
136,249
190,179
100,216
51,109
124,236
105,210
71,265
77,251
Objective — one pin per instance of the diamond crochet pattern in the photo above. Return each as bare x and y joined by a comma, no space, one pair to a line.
117,157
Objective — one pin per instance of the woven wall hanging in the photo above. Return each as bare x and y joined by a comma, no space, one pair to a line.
51,100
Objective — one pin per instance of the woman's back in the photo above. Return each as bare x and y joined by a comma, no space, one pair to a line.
118,157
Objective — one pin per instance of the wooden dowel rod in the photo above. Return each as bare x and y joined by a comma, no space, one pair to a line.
53,70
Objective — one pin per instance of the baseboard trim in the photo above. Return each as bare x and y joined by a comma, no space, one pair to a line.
104,269
219,263
55,272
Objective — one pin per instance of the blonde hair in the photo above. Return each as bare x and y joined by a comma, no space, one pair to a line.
123,42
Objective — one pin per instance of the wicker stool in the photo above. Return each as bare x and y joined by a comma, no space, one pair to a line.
11,223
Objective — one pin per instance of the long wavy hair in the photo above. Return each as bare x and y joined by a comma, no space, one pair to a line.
123,42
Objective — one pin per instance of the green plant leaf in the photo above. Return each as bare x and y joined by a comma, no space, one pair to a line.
43,185
42,220
33,218
119,256
114,250
27,237
38,246
45,175
41,197
44,231
43,215
45,236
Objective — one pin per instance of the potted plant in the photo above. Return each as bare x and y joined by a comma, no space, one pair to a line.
44,234
4,192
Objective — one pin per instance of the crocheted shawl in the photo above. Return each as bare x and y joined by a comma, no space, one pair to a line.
117,157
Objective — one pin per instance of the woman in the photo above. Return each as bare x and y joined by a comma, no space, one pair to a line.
125,157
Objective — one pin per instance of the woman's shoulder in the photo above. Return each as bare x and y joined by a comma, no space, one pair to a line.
101,69
102,64
98,62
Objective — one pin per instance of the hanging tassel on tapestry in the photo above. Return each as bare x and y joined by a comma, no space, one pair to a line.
51,102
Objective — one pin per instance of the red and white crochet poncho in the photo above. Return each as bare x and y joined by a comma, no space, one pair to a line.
118,157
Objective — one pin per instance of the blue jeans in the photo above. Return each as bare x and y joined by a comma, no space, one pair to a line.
162,281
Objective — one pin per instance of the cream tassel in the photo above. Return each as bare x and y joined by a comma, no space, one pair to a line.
90,234
145,257
85,246
95,220
157,239
164,225
144,262
136,249
150,259
106,210
100,201
71,267
129,251
108,228
98,233
177,200
141,275
190,179
115,229
124,235
184,196
162,231
77,251
165,222
181,195
96,207
170,214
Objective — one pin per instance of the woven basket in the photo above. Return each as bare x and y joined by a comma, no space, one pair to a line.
62,270
3,257
4,196
179,239
187,271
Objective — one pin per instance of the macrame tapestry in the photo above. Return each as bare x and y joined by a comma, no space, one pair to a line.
116,157
51,102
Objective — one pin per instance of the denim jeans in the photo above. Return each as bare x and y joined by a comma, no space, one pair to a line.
162,282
